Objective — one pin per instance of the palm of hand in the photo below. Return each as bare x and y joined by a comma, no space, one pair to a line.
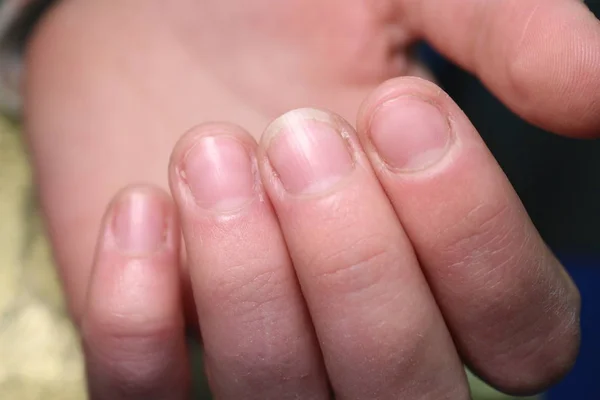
254,61
188,63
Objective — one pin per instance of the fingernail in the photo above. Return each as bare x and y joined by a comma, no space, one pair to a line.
139,224
307,151
219,173
409,133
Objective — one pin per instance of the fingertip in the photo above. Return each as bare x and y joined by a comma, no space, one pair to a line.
411,126
213,170
137,249
195,134
133,326
538,364
555,87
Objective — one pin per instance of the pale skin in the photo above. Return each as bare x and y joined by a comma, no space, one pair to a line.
371,257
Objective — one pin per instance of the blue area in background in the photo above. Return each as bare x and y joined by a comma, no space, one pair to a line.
583,383
436,63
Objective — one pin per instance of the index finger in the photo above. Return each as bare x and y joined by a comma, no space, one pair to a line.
541,57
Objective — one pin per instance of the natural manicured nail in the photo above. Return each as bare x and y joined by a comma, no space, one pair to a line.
307,151
409,133
139,223
220,174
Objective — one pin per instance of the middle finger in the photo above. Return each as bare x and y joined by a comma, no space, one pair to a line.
380,331
258,340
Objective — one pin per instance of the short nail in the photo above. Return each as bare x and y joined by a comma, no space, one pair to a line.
220,174
307,151
409,133
139,224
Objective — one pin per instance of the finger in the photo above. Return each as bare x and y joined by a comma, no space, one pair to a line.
381,333
133,327
259,342
541,57
512,309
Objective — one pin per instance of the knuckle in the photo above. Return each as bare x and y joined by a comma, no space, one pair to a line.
108,323
122,337
262,368
416,352
484,252
522,330
131,362
357,267
247,288
482,228
129,379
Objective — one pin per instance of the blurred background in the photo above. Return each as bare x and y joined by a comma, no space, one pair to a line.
558,179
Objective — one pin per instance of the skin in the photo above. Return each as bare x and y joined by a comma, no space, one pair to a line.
338,269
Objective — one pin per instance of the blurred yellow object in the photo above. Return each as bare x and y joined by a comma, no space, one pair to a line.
39,351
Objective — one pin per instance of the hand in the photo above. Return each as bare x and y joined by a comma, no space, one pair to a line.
379,330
